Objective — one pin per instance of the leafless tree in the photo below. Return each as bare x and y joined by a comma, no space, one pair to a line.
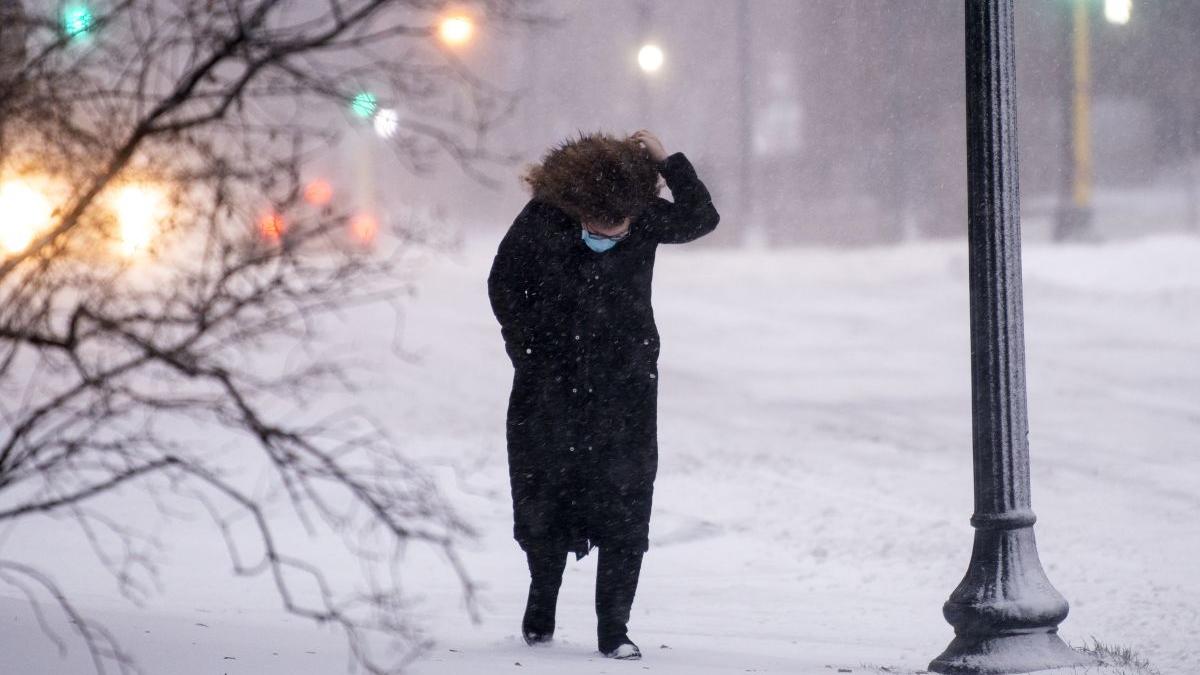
112,363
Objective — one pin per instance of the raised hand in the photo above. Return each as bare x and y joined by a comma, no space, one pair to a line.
653,146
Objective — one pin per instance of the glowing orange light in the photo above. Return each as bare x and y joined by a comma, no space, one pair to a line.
272,226
456,30
25,211
364,228
318,193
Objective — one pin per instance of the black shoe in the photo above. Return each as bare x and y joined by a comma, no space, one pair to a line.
538,626
534,638
545,569
616,583
623,649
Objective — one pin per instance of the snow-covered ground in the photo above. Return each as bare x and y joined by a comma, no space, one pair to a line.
814,490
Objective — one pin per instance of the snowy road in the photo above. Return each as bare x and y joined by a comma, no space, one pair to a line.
815,480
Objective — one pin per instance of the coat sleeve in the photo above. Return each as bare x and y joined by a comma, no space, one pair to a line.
513,290
691,215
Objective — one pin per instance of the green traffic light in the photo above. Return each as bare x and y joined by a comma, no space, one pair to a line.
364,104
77,19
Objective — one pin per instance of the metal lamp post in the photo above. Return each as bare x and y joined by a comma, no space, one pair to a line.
745,124
1005,612
1074,218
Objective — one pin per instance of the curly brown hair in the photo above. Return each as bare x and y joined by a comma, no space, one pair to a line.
596,177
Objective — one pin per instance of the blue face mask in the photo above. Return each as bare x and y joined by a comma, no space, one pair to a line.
596,243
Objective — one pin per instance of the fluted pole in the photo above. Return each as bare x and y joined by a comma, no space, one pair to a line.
1005,612
745,124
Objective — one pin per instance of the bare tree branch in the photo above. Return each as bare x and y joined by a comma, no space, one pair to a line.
106,362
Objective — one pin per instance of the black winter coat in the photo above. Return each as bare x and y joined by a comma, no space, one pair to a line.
579,329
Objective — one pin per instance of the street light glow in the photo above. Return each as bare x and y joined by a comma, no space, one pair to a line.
272,226
456,30
26,212
1118,11
77,19
139,210
318,192
386,122
364,227
650,58
364,105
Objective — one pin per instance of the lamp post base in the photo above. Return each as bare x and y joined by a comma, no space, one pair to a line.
1025,652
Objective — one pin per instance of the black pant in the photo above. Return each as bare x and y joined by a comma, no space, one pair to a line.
616,584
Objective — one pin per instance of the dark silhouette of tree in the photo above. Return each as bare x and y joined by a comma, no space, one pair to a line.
112,366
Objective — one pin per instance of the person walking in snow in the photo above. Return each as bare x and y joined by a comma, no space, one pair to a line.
570,286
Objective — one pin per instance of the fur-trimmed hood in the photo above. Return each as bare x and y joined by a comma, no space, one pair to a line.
596,177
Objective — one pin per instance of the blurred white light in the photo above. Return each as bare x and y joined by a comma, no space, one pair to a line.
456,30
1118,11
386,122
650,58
139,210
24,211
